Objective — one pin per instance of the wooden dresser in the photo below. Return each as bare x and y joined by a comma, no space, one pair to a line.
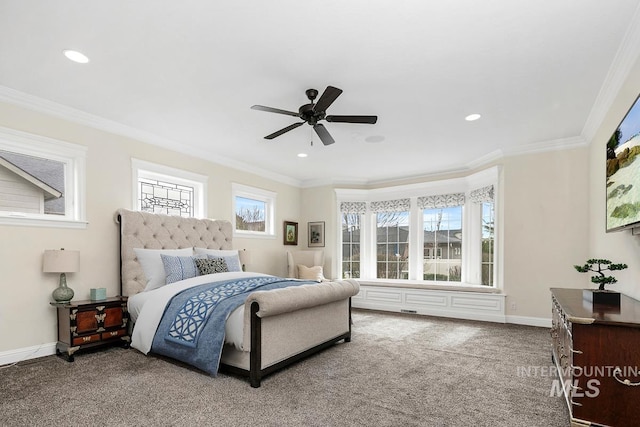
597,352
88,324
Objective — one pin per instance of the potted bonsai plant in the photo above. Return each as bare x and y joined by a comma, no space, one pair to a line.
601,295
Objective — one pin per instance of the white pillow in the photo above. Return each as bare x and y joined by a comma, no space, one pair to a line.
231,257
310,273
152,264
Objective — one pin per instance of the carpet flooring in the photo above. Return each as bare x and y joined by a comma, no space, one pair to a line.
398,370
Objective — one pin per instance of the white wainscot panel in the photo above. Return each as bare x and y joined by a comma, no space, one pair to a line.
472,302
433,302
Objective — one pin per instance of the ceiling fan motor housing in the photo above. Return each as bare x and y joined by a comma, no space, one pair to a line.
308,115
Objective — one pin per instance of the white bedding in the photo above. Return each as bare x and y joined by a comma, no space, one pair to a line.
146,309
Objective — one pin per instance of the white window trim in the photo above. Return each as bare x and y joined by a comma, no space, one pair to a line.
268,197
173,175
74,158
471,270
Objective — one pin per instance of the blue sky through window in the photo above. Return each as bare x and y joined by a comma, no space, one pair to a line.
630,125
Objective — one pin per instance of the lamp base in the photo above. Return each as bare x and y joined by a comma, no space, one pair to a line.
63,293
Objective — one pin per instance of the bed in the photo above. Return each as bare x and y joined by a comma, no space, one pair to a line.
274,325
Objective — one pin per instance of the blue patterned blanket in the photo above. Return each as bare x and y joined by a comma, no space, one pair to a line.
192,326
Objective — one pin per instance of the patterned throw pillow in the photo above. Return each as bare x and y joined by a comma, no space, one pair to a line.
233,261
211,266
179,267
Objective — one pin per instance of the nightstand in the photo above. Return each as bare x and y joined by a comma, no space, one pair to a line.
88,324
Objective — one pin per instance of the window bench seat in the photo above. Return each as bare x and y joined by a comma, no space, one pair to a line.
456,301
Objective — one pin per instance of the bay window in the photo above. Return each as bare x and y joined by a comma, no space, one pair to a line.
439,232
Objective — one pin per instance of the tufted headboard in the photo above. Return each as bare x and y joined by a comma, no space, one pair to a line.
156,231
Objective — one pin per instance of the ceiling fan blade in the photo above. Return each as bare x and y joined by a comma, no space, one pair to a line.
274,110
328,96
352,119
324,135
284,130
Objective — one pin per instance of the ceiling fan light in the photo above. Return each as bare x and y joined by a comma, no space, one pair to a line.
75,56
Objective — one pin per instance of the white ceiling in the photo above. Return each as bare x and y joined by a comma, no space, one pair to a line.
185,73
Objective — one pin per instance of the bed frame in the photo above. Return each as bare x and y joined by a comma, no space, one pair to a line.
281,326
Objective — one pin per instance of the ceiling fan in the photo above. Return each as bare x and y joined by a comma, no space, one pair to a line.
312,113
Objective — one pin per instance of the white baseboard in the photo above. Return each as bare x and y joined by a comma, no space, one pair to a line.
20,354
530,321
454,314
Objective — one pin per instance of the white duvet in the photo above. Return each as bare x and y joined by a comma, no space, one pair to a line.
146,309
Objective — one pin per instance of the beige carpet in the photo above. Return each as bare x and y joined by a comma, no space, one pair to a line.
399,370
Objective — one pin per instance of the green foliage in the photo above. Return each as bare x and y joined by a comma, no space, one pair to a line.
600,279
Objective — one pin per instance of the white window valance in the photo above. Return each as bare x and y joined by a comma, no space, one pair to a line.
481,195
441,201
353,207
399,205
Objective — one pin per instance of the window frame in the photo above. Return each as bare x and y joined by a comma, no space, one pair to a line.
471,250
74,158
254,193
144,169
351,244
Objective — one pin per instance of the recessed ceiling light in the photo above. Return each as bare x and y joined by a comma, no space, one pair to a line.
75,56
472,117
302,154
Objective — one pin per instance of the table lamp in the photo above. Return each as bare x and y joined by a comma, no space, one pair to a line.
61,261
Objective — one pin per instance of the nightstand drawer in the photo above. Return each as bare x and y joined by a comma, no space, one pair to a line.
114,334
86,339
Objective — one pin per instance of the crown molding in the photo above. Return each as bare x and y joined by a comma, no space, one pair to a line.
41,105
34,103
623,62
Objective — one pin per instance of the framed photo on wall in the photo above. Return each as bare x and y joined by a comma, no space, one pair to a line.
316,234
290,233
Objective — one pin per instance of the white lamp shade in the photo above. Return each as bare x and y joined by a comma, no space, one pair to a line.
60,261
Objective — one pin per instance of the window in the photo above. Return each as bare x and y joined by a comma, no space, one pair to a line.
41,181
439,232
443,244
392,238
351,215
169,191
253,211
488,243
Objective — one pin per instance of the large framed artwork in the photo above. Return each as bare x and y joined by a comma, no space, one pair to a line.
316,234
623,172
290,233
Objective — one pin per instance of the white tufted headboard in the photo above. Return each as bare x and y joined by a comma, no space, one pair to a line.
156,231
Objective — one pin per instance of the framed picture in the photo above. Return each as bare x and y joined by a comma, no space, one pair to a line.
290,233
316,234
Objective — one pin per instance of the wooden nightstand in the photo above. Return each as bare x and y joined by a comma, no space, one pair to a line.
87,324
